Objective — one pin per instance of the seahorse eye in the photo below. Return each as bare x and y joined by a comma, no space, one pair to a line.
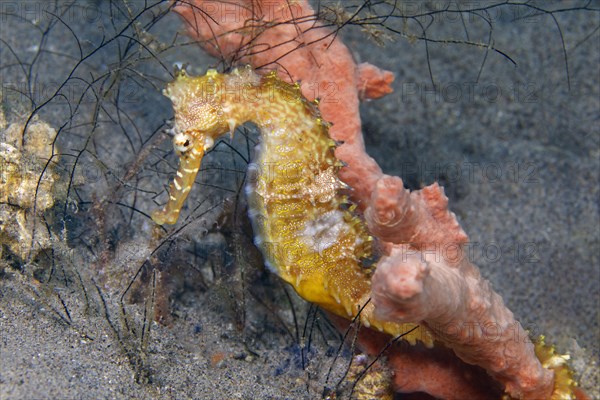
182,142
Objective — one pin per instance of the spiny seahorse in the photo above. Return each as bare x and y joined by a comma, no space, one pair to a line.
305,226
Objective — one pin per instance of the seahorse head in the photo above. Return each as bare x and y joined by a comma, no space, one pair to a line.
198,110
205,108
198,122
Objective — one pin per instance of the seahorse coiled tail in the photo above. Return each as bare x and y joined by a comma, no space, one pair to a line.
305,227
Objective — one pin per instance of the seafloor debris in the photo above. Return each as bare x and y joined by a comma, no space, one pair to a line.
28,178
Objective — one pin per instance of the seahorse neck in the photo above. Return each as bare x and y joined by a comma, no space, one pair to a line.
278,111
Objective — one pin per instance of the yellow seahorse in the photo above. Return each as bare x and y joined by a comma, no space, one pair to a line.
303,224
